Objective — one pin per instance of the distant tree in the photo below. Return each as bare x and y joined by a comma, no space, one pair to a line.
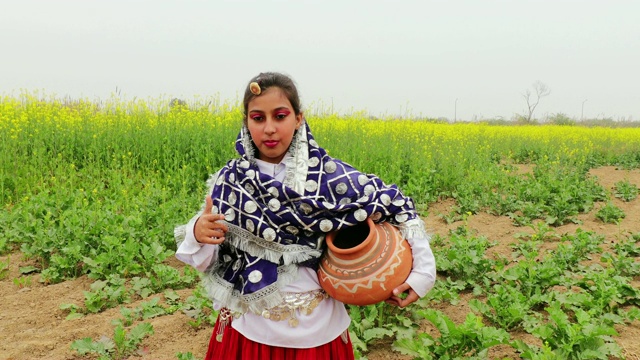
533,99
561,119
175,102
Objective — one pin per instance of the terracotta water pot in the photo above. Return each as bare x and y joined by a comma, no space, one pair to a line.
364,263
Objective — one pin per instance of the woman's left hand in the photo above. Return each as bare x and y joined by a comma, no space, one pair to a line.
395,299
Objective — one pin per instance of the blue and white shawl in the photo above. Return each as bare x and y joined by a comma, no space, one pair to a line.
274,227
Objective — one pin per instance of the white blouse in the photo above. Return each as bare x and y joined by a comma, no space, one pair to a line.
330,318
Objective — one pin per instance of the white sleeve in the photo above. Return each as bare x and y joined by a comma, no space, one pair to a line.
423,275
190,251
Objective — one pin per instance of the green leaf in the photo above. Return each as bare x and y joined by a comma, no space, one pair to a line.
28,270
439,319
420,347
83,346
376,333
119,337
141,331
73,316
104,346
358,344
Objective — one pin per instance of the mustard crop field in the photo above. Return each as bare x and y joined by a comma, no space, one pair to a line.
90,193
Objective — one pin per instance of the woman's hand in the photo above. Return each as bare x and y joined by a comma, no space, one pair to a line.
208,228
404,288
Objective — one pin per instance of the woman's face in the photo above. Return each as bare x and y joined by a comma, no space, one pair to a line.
272,123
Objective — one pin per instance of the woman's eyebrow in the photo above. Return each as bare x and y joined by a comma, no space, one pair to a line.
276,109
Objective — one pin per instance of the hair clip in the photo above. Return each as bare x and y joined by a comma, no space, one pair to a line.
255,88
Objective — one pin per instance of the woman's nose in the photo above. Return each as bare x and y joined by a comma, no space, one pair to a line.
269,127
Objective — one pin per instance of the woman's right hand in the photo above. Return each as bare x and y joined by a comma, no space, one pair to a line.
209,229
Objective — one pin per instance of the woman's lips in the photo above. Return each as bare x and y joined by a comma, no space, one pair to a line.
271,143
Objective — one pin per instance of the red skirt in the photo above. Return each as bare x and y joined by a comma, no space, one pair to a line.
235,346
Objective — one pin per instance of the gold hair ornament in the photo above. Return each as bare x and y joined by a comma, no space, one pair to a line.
255,88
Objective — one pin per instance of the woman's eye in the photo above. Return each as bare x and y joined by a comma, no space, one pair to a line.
282,114
256,118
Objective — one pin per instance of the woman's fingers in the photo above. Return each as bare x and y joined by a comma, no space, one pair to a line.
212,217
210,229
214,233
401,288
397,300
212,221
212,237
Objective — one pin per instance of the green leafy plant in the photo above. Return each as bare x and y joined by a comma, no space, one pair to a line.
625,190
610,214
608,289
506,307
114,291
450,217
624,264
106,294
163,276
524,248
199,308
519,220
375,322
121,346
141,286
365,326
469,340
541,232
623,259
629,246
173,300
22,281
445,290
152,308
146,310
586,338
533,277
533,210
464,260
576,248
554,193
75,312
437,241
185,356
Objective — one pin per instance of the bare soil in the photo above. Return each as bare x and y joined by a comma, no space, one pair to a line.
32,326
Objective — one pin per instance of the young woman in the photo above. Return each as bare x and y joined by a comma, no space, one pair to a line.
260,235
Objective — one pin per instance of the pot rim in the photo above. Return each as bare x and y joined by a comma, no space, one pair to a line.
331,236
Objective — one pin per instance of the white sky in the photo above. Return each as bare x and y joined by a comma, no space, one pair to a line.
384,57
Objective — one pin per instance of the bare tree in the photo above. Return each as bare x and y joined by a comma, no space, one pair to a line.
541,90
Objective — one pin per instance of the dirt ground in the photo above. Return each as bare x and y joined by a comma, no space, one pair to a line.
32,326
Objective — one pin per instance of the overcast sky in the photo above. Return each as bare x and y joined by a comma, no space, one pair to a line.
385,57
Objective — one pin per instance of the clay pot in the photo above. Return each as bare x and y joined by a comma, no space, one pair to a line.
364,263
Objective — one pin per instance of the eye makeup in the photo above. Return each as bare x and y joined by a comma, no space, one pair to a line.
282,112
256,116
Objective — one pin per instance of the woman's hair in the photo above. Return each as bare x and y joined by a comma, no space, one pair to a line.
273,79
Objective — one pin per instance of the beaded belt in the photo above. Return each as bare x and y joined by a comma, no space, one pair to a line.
304,302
